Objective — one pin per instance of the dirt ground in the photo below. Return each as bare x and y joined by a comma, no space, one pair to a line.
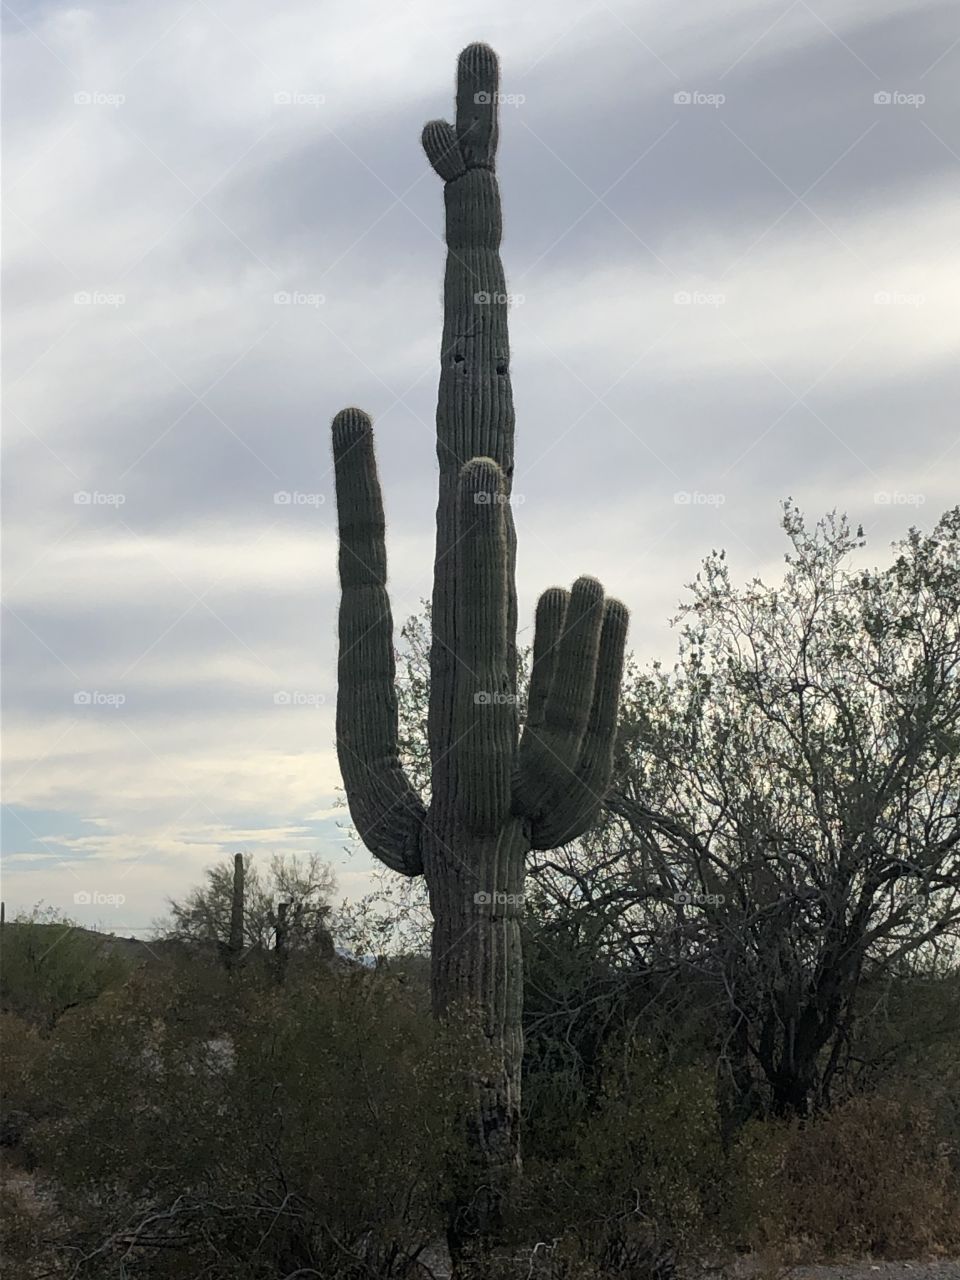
437,1267
436,1261
943,1270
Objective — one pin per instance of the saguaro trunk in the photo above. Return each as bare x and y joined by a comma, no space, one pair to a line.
477,965
494,797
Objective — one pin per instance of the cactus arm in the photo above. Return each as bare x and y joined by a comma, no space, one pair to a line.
439,139
548,628
574,806
385,809
551,750
486,719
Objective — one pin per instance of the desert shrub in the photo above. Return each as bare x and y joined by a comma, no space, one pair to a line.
312,1131
636,1184
749,1212
872,1177
643,1178
49,966
21,1103
908,1047
27,1219
936,1089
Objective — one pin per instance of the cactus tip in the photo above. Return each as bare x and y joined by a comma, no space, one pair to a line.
349,425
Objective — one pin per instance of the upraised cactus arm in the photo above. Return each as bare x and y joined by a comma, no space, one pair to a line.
485,723
573,805
566,752
386,810
565,667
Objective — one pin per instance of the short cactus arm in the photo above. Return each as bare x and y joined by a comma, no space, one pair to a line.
550,748
485,722
386,810
548,628
574,806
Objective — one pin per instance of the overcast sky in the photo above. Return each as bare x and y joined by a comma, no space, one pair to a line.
731,237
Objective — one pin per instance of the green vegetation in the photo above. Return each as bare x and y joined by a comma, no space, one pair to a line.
189,1121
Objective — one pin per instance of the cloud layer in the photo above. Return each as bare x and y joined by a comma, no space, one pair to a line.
730,237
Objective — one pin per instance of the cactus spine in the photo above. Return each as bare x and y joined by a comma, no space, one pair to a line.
494,798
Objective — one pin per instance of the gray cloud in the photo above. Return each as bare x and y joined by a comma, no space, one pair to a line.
735,300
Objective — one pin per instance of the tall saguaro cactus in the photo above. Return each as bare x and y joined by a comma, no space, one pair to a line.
495,794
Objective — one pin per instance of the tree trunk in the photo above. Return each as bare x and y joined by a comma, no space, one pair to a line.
737,1100
791,1098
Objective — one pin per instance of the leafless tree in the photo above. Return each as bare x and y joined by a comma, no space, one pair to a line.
787,817
305,883
784,828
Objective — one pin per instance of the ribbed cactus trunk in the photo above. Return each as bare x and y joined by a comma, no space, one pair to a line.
493,797
235,946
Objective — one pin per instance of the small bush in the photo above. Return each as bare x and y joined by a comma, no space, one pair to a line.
50,966
638,1183
20,1050
311,1131
27,1219
872,1177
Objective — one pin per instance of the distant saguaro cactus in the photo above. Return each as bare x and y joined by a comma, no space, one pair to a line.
280,946
495,795
235,946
